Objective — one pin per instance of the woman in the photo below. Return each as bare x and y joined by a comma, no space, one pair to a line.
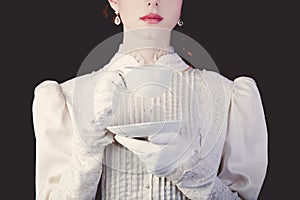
220,152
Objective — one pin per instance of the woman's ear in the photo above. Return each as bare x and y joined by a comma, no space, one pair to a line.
114,4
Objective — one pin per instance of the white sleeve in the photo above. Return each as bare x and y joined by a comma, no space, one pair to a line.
54,134
244,159
64,169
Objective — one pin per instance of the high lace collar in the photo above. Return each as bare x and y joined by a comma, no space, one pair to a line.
140,59
165,56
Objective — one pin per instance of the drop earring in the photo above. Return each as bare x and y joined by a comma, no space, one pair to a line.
180,22
117,19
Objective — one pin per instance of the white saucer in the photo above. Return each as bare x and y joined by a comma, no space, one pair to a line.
146,129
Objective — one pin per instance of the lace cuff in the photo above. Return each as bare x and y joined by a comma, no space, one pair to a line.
200,181
190,164
220,191
80,181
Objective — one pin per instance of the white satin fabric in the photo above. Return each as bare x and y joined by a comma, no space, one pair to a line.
242,165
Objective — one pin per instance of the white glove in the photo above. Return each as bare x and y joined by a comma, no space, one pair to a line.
93,109
80,181
162,153
109,87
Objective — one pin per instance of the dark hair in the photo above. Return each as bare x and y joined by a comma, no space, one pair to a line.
106,14
187,62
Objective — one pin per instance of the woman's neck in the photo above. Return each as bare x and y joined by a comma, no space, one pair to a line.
146,42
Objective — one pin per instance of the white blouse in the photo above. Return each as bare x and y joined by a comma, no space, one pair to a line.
231,134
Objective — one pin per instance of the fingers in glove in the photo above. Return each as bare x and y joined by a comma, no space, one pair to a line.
107,103
110,77
164,138
138,146
104,114
110,85
103,109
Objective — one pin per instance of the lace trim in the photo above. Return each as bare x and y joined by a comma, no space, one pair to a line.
163,56
142,60
80,181
221,191
176,176
201,182
219,106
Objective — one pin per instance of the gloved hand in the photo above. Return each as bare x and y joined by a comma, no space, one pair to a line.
162,153
109,87
98,100
171,156
80,180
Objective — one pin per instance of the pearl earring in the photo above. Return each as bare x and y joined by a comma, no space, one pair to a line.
180,22
117,20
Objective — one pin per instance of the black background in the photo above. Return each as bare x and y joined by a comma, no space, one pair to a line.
49,40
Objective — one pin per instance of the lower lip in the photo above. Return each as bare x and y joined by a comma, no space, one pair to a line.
151,21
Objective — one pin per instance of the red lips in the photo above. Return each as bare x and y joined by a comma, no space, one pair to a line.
152,18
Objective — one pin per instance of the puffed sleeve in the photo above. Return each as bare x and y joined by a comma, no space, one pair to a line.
54,134
244,159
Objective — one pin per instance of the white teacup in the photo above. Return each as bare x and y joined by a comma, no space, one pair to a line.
147,81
